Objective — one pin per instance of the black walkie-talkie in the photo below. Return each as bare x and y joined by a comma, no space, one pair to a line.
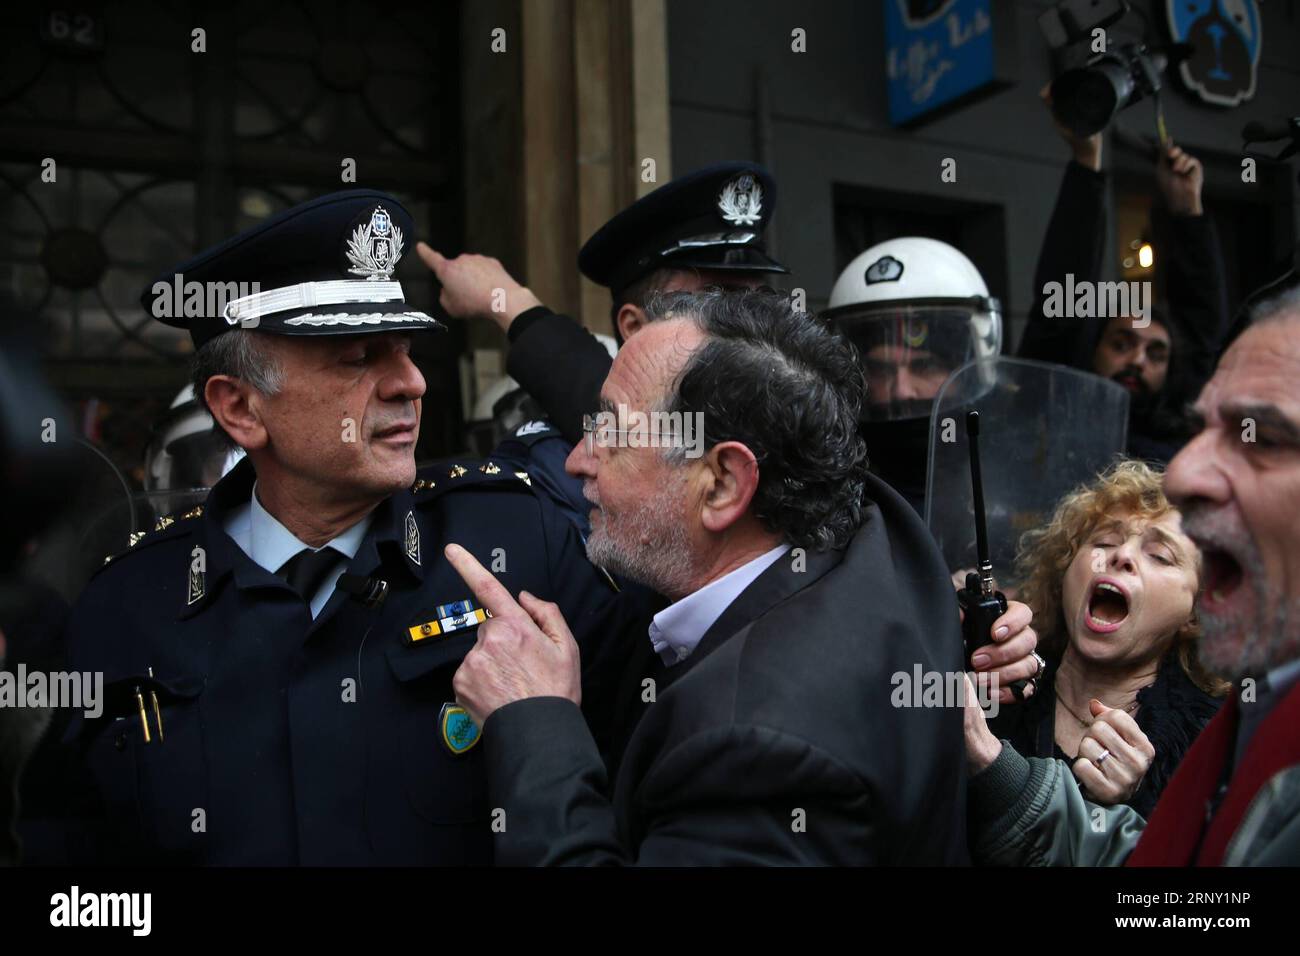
981,604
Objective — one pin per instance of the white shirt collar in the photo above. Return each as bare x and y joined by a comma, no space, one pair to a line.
678,629
262,537
1272,689
272,544
1283,676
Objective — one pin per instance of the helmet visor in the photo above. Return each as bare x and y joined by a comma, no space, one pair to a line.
192,460
908,351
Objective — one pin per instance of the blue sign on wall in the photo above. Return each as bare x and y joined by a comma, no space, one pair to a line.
1225,38
935,52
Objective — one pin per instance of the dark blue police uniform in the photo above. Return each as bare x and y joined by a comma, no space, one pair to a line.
282,740
239,729
539,448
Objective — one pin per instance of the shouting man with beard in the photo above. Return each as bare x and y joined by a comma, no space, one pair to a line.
1235,798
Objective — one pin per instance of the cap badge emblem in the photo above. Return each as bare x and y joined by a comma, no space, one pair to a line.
884,269
741,201
375,247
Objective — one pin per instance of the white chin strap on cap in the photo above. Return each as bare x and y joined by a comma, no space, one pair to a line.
308,295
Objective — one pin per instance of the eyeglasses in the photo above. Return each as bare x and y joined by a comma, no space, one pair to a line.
600,434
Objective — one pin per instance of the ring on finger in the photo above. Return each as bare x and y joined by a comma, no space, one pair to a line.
1042,664
1101,758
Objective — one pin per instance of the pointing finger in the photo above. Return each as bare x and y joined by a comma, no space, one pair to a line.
430,257
490,592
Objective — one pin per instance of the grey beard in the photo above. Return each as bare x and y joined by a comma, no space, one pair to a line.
1272,635
663,563
1268,637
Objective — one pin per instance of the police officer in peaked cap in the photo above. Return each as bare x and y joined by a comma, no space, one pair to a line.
705,228
278,661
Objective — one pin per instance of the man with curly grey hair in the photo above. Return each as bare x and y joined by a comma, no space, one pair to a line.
759,721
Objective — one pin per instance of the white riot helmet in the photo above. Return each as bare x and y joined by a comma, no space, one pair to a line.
917,309
186,452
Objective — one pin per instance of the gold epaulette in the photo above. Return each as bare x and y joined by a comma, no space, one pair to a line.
489,469
162,524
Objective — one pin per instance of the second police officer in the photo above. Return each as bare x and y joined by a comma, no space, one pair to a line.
705,228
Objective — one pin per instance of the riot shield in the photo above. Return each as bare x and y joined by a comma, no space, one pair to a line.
1045,429
98,524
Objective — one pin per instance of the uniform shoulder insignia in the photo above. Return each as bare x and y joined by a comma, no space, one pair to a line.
527,435
164,529
434,480
533,428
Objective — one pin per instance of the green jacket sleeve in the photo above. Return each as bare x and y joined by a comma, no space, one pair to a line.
1031,812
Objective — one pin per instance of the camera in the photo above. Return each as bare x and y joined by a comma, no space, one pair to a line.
1092,89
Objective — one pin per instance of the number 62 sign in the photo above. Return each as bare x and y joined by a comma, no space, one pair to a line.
72,30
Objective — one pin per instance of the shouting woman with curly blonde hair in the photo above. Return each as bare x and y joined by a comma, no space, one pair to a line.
1112,581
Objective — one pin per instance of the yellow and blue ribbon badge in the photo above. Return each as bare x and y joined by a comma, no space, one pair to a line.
448,618
459,732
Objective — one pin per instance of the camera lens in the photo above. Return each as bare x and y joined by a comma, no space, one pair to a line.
1086,100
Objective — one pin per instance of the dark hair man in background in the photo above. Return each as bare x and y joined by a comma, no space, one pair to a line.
1163,364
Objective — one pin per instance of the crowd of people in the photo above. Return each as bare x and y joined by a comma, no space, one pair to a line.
608,645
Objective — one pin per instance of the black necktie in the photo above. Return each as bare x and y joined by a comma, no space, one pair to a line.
307,569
